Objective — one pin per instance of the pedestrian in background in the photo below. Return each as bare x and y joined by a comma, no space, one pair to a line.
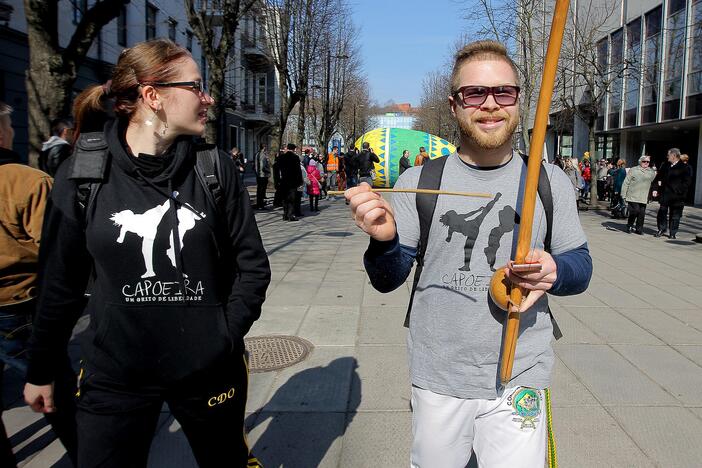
635,191
181,344
618,176
672,182
422,157
601,179
24,192
57,148
366,167
262,166
404,161
313,189
290,179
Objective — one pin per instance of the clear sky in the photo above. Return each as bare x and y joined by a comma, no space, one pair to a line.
402,40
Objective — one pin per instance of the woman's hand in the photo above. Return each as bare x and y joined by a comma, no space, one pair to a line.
40,397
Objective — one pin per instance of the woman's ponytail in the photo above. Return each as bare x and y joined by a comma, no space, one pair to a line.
89,111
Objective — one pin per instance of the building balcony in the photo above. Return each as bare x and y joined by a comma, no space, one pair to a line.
255,53
262,112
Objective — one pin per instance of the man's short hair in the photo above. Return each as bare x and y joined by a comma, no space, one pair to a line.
291,146
335,147
422,149
59,125
366,145
675,152
480,50
645,156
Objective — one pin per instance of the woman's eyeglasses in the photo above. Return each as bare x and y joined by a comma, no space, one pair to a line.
475,96
197,86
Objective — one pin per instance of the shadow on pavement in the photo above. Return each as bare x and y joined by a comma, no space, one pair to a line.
301,439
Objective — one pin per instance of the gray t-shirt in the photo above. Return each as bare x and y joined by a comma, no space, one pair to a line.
455,330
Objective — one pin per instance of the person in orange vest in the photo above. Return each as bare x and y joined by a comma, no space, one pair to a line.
332,166
422,157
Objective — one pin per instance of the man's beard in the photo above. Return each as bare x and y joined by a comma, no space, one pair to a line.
488,140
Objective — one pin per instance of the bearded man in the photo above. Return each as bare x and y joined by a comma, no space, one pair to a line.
455,329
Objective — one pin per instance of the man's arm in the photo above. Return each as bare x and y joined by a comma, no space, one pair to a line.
573,270
388,263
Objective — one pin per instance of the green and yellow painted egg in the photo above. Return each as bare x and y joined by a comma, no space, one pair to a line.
389,143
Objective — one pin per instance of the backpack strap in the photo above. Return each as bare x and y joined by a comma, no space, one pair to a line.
88,169
429,178
546,196
207,170
544,190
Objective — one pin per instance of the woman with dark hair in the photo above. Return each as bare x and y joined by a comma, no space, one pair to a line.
177,277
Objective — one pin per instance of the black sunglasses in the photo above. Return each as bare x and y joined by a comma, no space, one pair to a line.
475,96
194,85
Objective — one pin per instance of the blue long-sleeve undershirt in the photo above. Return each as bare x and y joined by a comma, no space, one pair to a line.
388,264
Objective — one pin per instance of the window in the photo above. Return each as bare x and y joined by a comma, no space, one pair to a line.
633,55
694,86
261,98
151,14
189,40
79,9
672,75
616,69
651,65
122,27
172,26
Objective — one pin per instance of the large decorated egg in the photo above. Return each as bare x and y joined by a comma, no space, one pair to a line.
389,143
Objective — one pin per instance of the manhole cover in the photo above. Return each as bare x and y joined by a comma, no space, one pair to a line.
269,353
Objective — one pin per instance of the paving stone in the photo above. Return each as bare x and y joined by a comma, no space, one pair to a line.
693,353
322,383
260,385
616,383
573,330
618,297
613,327
338,293
585,299
384,375
665,434
691,317
397,298
588,436
298,440
279,320
289,293
567,390
383,325
331,325
680,377
378,439
665,327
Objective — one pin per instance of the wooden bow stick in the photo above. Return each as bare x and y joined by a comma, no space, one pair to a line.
516,294
428,191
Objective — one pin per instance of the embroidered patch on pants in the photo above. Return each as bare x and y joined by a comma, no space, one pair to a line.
527,407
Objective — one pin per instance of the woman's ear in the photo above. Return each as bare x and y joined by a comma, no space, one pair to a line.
151,97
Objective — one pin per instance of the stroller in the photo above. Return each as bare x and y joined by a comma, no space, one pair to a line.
620,210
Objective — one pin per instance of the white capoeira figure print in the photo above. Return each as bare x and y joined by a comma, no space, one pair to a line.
144,225
186,221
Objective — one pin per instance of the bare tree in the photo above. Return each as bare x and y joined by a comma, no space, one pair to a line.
214,24
292,31
433,115
52,70
354,118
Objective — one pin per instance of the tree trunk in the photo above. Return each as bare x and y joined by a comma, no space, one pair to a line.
301,118
593,164
214,113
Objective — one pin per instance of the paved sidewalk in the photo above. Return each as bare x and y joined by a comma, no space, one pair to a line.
627,380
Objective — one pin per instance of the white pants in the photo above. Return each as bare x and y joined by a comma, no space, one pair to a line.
508,432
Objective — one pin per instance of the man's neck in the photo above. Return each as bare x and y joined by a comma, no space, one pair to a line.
143,139
480,157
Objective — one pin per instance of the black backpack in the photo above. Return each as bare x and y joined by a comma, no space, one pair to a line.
430,178
90,164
